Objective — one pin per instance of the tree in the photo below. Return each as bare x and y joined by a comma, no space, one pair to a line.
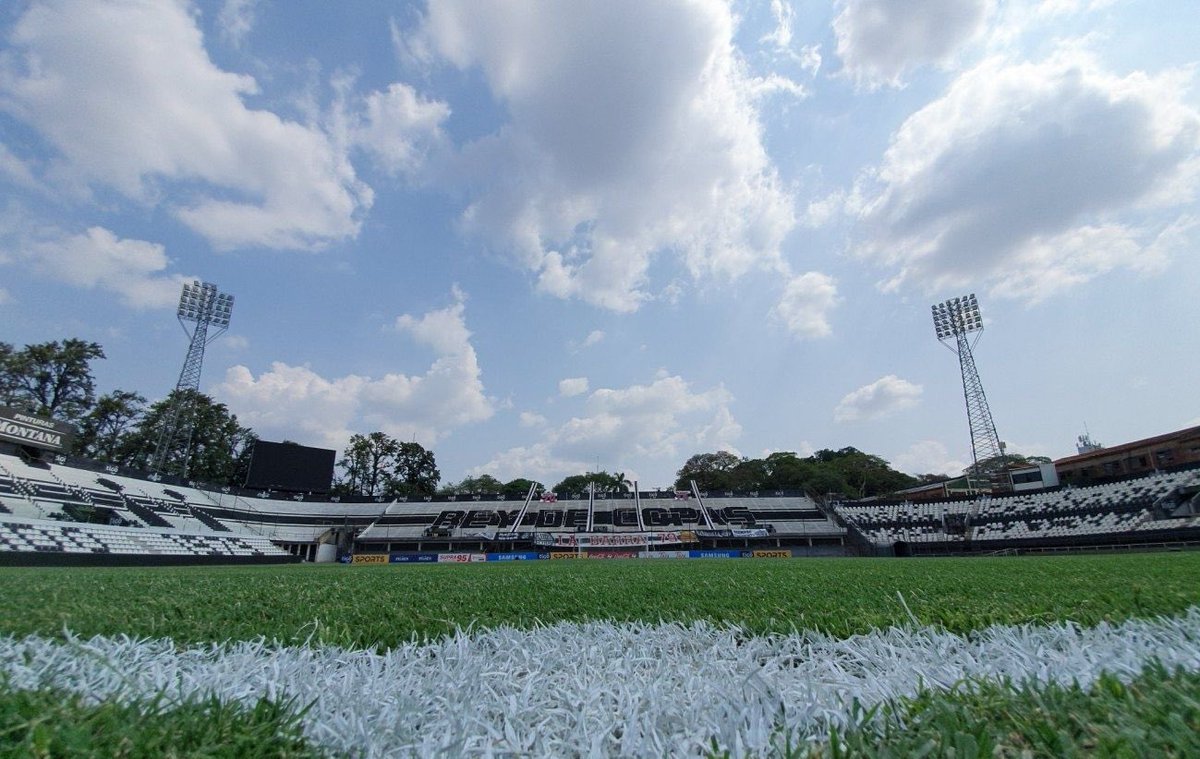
103,432
366,464
604,482
626,484
51,378
519,488
930,478
711,471
416,471
994,464
864,474
847,471
786,471
218,450
379,465
7,381
483,484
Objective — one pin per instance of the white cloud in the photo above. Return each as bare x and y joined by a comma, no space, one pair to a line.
128,96
236,19
781,35
780,39
1045,266
883,397
572,386
235,343
135,270
810,59
642,425
928,457
619,146
880,40
776,84
594,337
531,419
1031,172
399,128
806,303
1067,7
296,402
15,169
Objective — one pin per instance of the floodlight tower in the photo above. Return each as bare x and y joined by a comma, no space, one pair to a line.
956,319
203,307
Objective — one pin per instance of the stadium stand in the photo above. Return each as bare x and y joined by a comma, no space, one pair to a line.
66,513
1120,512
776,521
26,542
107,506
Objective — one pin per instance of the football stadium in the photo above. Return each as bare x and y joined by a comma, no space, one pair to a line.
689,298
144,613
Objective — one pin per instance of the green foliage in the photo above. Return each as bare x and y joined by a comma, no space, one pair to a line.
8,384
218,451
1157,714
104,431
711,471
604,482
364,606
1008,461
379,465
848,472
519,488
484,484
51,378
47,723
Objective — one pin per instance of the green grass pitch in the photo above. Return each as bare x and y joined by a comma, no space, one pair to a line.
382,606
366,606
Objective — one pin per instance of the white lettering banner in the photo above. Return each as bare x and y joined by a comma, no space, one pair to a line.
614,539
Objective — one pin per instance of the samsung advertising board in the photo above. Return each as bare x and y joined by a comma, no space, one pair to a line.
23,428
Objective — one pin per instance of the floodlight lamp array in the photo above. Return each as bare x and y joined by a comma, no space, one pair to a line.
200,301
957,316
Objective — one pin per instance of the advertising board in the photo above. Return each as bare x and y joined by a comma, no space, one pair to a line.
21,427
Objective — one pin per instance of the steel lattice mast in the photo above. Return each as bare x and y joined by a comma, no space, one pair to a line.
956,319
201,305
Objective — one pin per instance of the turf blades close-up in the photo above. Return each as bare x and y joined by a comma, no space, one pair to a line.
598,688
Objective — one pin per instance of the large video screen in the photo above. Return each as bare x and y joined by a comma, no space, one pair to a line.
290,467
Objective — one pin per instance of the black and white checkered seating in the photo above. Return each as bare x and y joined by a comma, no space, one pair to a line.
1118,508
65,537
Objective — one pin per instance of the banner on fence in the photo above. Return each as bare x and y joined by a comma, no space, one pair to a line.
613,539
455,558
754,532
414,558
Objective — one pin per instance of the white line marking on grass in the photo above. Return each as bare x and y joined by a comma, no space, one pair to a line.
595,689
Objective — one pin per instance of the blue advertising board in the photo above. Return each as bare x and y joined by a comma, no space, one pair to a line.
413,558
516,556
734,554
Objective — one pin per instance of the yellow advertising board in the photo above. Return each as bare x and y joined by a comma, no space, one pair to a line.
780,554
567,555
369,558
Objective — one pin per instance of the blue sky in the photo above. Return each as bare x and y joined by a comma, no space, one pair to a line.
540,238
